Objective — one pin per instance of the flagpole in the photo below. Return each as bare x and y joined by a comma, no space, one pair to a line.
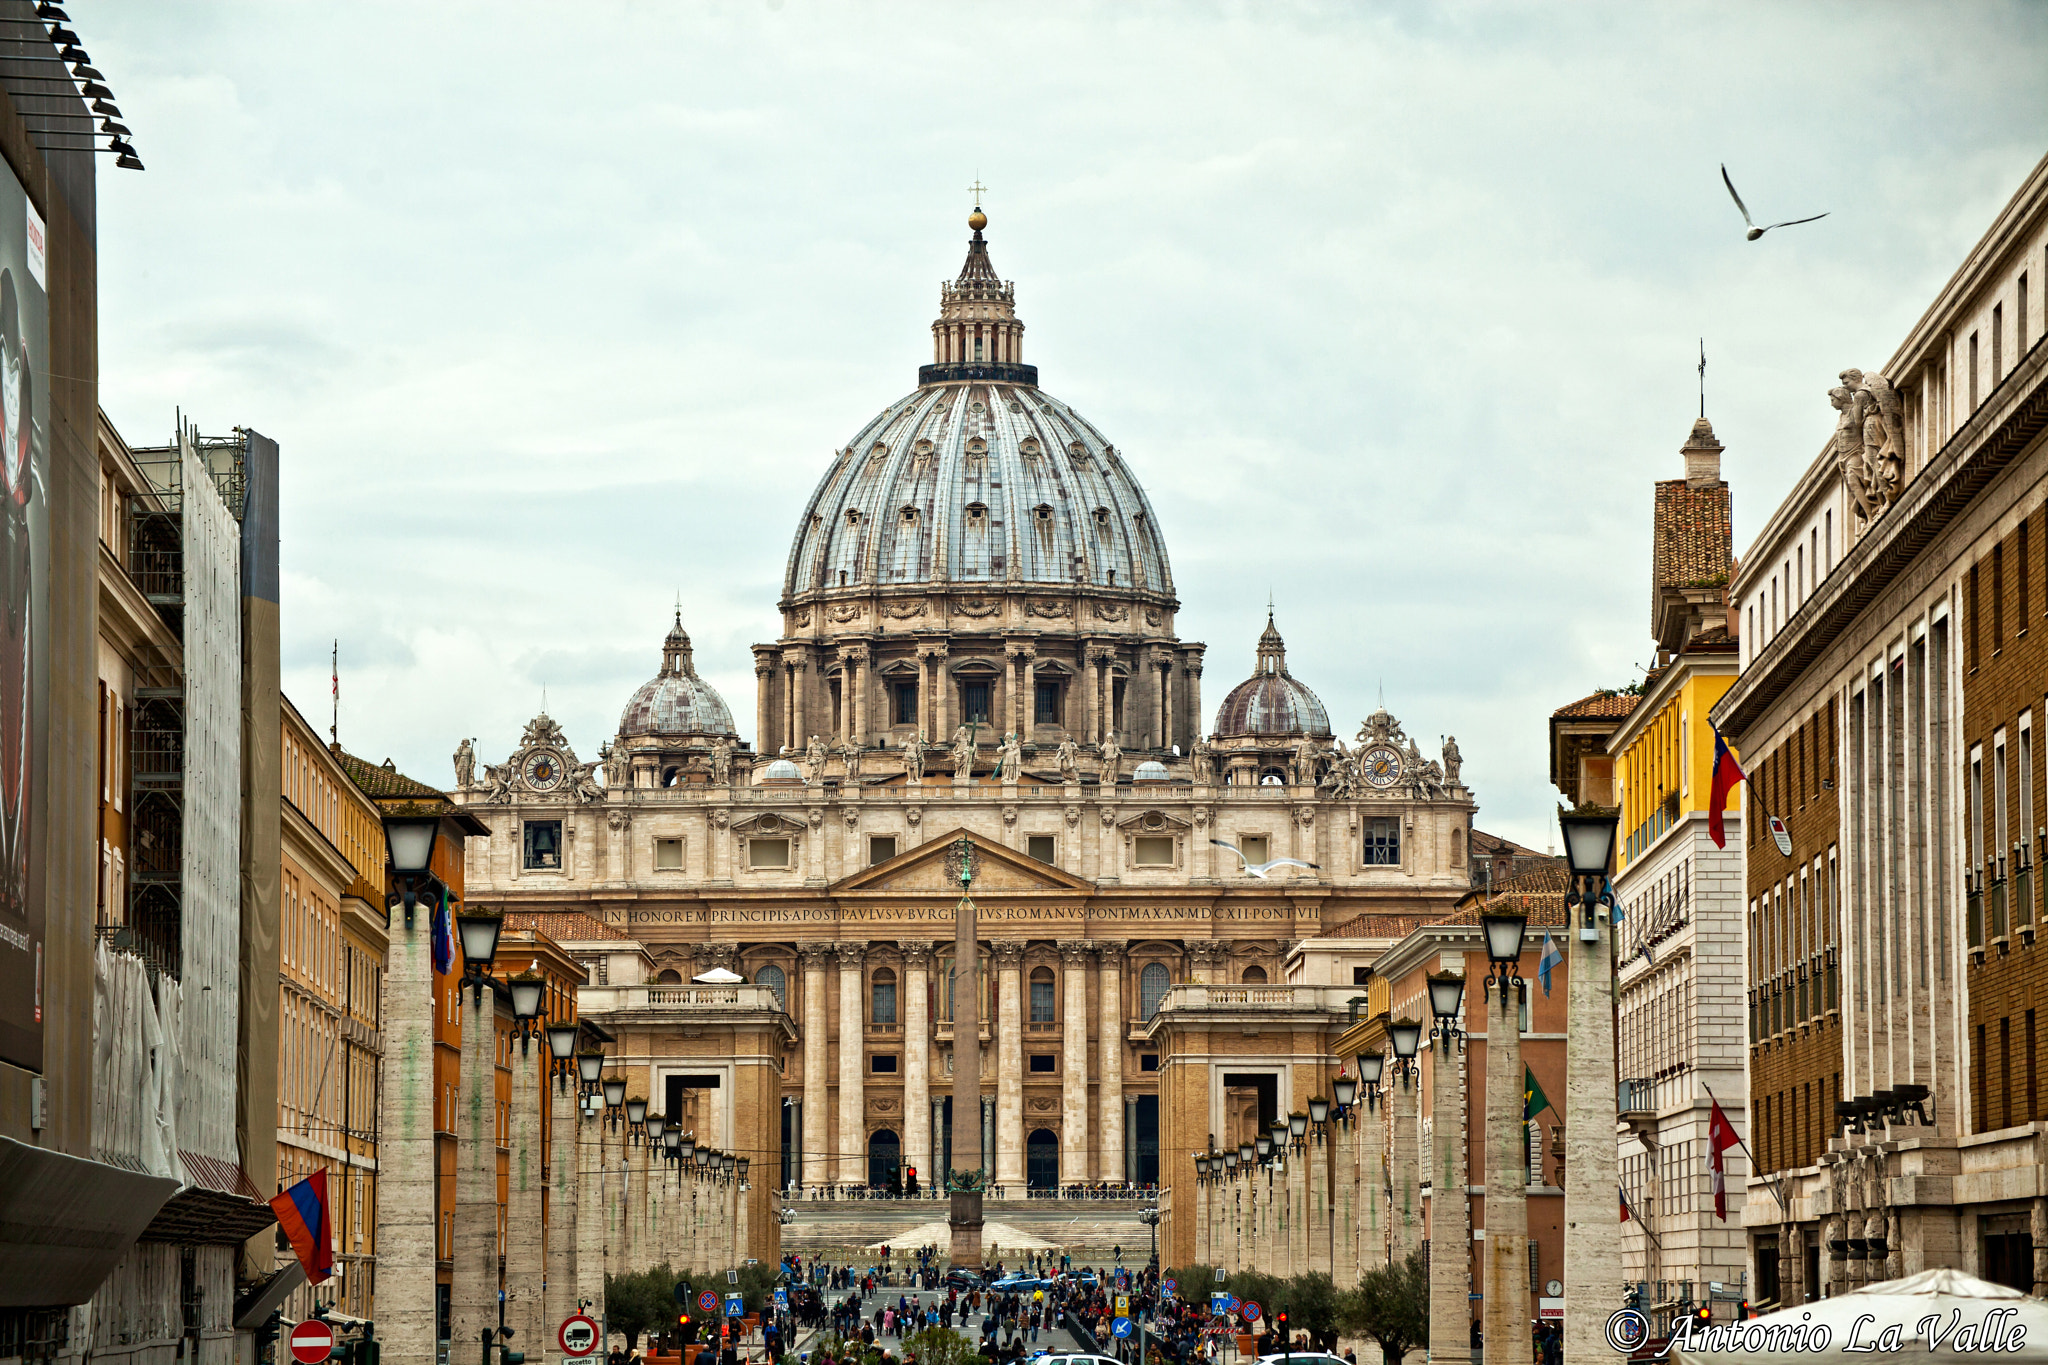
1770,1181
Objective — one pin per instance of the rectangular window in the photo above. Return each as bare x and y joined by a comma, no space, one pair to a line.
1047,704
2019,321
881,848
1997,342
883,1064
905,695
1254,847
1361,976
2019,576
974,702
1044,1061
1976,807
1042,847
668,855
1152,850
1383,843
767,853
1973,372
1970,605
1041,1002
884,1009
543,844
2000,843
1997,597
1149,1061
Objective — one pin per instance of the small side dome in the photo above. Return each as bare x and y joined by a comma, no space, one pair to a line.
782,770
676,701
1272,702
1151,770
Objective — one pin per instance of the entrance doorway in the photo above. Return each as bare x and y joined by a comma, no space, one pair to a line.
885,1157
1042,1160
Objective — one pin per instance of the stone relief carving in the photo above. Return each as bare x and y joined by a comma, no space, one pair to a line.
814,955
852,818
1381,728
817,816
620,820
1153,616
542,730
801,616
847,611
976,606
1870,439
719,819
904,611
918,953
586,786
1008,953
1073,816
1111,611
914,816
498,777
1050,611
1009,815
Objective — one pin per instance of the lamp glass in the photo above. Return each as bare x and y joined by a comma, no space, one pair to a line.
1444,994
1244,1158
1201,1164
479,939
744,1163
1297,1123
561,1041
1318,1110
1279,1131
703,1157
689,1148
672,1140
1370,1067
1265,1145
614,1091
1406,1035
589,1066
409,841
1504,933
1588,841
1346,1089
725,1162
636,1110
526,994
655,1123
1230,1161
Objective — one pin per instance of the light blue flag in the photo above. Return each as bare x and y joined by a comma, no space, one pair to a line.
1550,958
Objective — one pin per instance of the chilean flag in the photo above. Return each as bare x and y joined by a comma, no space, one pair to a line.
302,1213
1721,1135
1727,772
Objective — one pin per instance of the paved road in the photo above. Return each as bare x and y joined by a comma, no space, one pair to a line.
1054,1340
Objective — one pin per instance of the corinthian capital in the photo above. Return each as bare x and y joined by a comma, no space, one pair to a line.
815,956
852,953
917,953
1074,952
1008,953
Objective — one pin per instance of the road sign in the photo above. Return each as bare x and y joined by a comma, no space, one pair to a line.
682,1292
1168,1285
1230,1302
1219,1303
1120,1328
579,1334
708,1301
312,1342
1251,1312
732,1277
1123,1305
781,1297
735,1306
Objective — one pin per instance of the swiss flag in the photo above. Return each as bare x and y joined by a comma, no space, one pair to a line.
1721,1135
1727,772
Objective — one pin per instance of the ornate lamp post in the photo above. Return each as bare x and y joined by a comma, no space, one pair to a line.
1504,1310
1404,1215
1592,1238
1204,1253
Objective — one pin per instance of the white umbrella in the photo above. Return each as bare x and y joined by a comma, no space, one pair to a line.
719,976
1936,1312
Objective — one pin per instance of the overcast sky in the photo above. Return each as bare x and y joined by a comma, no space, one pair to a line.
559,310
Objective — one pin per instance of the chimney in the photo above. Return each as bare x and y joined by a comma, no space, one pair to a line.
1702,456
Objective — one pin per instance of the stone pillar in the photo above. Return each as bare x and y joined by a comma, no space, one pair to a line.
1009,964
586,1151
1158,726
1344,1199
1292,1246
917,1059
857,706
1012,714
1205,1253
562,1178
1320,1146
1093,696
764,690
1191,693
1074,955
817,1169
1592,1166
1404,1216
1450,1217
853,1133
473,1296
942,697
1505,1309
1373,1174
2037,1223
406,1175
1110,1089
525,1180
1030,696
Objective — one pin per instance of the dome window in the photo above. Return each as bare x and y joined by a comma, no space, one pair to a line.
853,516
977,446
977,514
910,516
1102,519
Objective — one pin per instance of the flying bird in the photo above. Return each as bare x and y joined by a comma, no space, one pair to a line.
1261,869
1755,231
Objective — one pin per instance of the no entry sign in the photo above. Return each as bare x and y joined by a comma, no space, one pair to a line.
312,1342
579,1334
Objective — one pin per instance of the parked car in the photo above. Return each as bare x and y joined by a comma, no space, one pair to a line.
1019,1282
1303,1358
1078,1360
965,1279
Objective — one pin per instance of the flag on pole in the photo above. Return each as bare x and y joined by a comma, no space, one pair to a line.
1534,1101
1721,1135
444,937
1727,772
1624,1203
303,1217
1551,957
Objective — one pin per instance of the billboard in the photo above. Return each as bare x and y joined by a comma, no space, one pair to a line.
24,618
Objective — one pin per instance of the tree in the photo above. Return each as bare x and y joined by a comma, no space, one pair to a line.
1390,1305
643,1301
940,1346
1312,1299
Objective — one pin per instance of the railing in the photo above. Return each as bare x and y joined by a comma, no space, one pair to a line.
1198,997
1973,914
746,997
1636,1095
1997,899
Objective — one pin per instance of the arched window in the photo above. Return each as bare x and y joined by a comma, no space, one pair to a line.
1041,995
1254,976
669,977
771,976
884,993
1152,984
671,776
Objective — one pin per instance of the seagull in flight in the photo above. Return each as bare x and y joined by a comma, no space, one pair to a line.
1262,869
1755,231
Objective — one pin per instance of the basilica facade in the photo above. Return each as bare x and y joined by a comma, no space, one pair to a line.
977,641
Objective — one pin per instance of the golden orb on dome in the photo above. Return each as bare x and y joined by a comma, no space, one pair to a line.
977,219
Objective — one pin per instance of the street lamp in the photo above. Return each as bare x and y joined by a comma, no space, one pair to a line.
479,932
1230,1161
561,1051
1588,848
1201,1166
655,1123
1319,1115
409,844
1406,1036
636,1116
1279,1130
1446,993
1592,1246
1504,931
614,1099
527,989
1265,1146
1371,1065
1345,1088
1245,1153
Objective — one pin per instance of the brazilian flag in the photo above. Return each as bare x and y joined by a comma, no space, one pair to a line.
1534,1101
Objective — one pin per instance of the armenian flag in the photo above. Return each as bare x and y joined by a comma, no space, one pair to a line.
302,1211
1727,772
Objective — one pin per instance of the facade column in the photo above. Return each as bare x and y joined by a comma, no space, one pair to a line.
1204,1250
857,708
1404,1217
1344,1198
817,1169
587,1153
1167,726
1093,696
562,1179
853,1135
1110,1089
407,1241
917,1058
942,697
1450,1219
1074,956
1158,726
1191,694
764,702
1371,1174
1320,1151
525,1180
1012,714
1592,1166
1030,731
1009,964
473,1296
1505,1308
1292,1243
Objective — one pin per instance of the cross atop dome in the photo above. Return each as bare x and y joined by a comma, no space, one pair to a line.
977,334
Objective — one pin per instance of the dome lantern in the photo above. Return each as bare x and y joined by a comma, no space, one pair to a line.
977,334
676,701
1272,702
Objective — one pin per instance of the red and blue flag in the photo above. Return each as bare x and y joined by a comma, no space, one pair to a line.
1727,772
302,1211
444,937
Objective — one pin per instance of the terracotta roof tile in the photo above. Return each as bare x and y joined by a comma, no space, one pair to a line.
1714,640
383,781
1694,535
1599,706
1494,845
1539,888
1377,926
565,926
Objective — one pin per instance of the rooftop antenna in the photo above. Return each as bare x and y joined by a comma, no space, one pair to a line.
1703,377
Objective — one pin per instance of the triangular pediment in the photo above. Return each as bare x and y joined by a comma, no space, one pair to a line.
934,867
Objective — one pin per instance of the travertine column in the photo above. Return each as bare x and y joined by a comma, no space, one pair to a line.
817,1100
1205,1253
587,1153
1009,963
525,1179
1344,1199
1191,694
1505,1307
1592,1165
1319,1157
1450,1218
853,1135
1372,1179
1293,1243
1404,1218
1110,1090
1158,726
917,1059
1074,955
406,1175
1093,695
764,673
473,1296
1030,657
562,1178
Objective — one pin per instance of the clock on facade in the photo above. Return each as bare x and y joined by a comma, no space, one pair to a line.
543,769
1382,765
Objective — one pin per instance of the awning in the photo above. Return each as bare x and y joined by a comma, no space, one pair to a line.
65,1222
219,1207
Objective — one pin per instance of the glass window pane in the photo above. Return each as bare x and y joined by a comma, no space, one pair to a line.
885,1003
1041,1002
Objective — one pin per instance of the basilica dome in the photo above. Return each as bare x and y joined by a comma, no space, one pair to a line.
676,701
978,478
1272,701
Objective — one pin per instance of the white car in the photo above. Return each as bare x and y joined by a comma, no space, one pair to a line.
1303,1358
1075,1360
